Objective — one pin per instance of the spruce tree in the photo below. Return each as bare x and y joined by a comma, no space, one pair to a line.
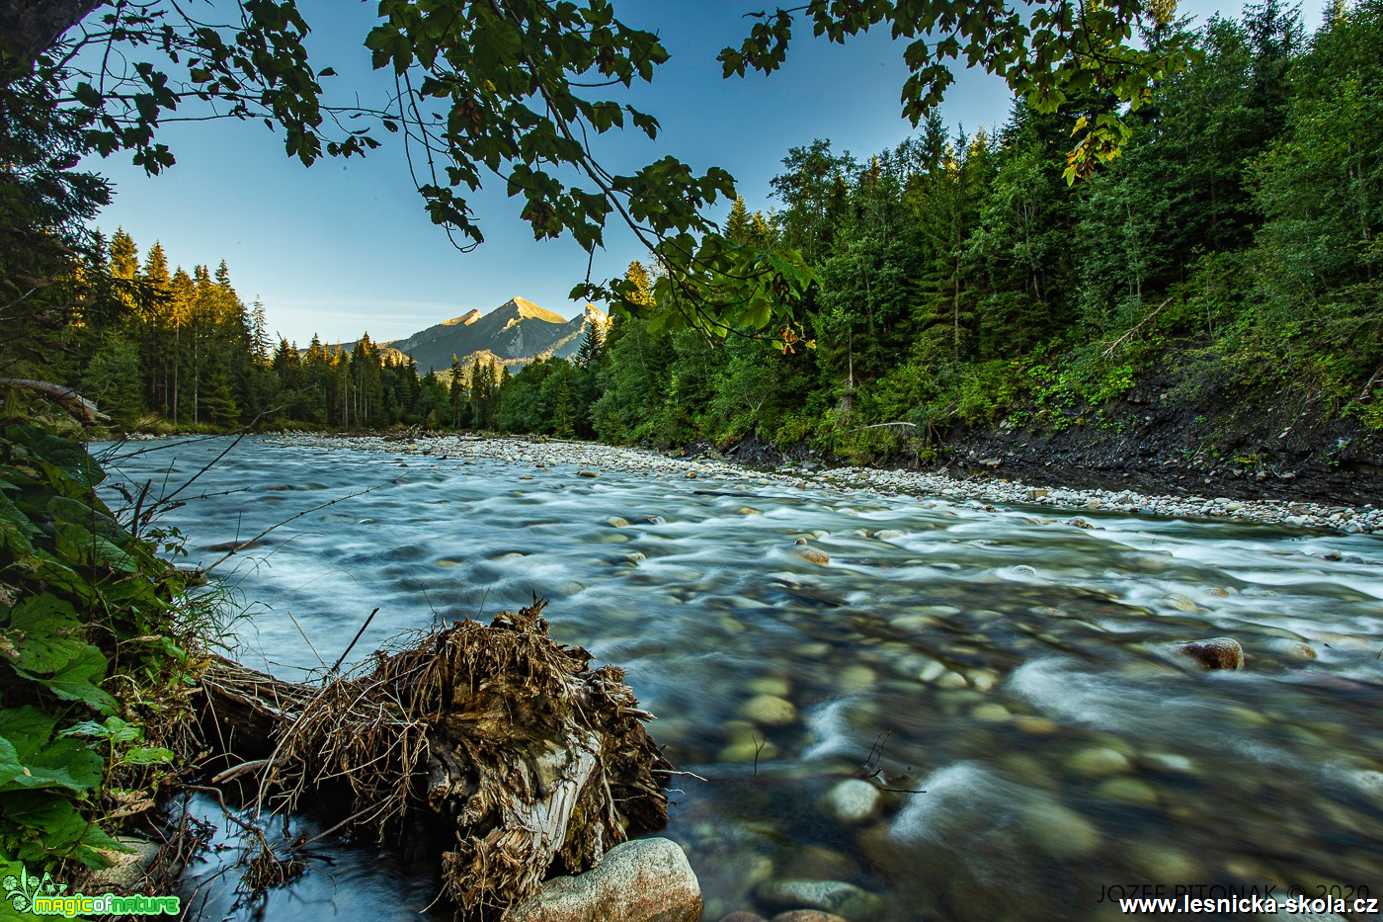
592,344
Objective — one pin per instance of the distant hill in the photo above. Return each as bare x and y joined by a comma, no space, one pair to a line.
515,333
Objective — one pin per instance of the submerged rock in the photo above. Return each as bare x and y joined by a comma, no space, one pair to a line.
855,678
1098,762
816,862
991,713
769,710
769,685
806,915
852,801
1129,791
748,750
1215,653
646,880
834,896
1060,831
814,555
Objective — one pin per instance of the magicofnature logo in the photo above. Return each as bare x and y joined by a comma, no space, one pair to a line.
43,896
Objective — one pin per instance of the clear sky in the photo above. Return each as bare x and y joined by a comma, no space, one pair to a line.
345,247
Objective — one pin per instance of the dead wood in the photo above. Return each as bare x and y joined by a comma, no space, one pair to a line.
75,403
533,762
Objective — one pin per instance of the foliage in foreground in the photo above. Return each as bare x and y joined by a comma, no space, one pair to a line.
94,659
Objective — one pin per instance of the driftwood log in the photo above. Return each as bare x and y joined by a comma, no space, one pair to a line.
529,761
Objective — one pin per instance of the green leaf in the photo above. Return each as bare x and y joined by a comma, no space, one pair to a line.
78,544
66,764
112,728
148,755
56,829
46,625
27,728
76,681
10,766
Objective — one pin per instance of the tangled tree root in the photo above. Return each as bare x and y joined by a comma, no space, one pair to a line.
529,761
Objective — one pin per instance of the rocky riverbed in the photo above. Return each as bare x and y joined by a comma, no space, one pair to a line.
594,457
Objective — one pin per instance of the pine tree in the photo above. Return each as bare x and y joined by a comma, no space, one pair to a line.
259,334
593,344
456,392
124,256
111,378
218,401
737,225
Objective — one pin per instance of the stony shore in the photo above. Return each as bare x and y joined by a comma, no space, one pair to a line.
594,457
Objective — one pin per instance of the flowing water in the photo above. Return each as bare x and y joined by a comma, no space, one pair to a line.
1011,677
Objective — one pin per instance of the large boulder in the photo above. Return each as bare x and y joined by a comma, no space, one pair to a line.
646,880
1215,653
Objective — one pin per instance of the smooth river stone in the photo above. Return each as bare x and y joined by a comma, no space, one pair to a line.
855,678
748,751
1038,726
816,862
814,555
932,671
1169,762
769,710
1098,762
1060,831
1165,865
852,801
952,680
846,900
769,685
615,521
982,679
991,713
638,881
1128,791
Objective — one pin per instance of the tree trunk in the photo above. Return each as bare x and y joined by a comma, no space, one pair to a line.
530,762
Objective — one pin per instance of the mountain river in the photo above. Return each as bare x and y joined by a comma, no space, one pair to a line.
1011,681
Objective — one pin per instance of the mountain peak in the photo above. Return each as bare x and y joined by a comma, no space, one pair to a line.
515,333
527,310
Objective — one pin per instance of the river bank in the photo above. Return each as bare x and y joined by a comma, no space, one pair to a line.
977,489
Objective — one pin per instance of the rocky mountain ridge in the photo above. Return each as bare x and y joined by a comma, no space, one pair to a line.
514,334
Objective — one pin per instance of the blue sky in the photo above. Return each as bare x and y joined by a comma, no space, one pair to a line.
344,246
